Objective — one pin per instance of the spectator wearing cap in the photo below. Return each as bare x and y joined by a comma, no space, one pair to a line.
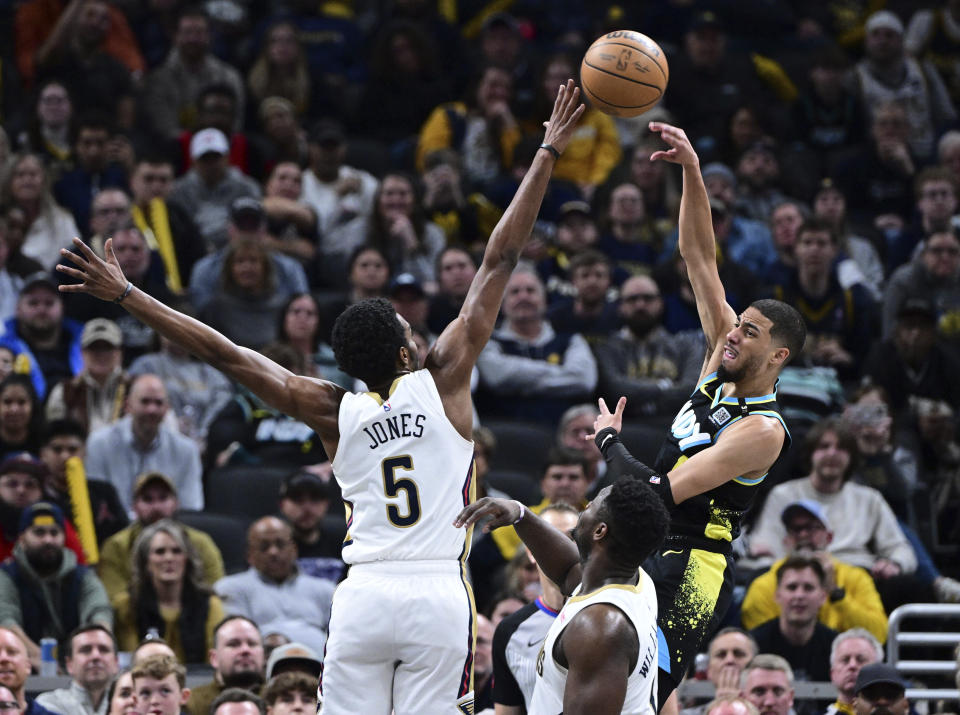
850,652
888,74
40,332
337,192
591,310
21,484
914,361
237,661
94,397
501,44
852,599
154,498
796,633
872,540
274,592
44,592
208,189
247,222
172,89
859,261
880,688
652,368
542,371
294,657
291,692
65,439
410,301
742,240
304,501
934,276
141,442
576,232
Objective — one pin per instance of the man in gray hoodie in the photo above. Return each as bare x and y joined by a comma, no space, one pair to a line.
44,593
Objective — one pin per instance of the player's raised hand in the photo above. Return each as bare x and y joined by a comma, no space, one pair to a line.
500,512
680,151
567,111
608,419
103,279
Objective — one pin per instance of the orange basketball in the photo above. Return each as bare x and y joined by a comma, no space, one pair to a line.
624,73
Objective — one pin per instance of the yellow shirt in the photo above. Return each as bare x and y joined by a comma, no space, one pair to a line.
506,537
126,624
860,607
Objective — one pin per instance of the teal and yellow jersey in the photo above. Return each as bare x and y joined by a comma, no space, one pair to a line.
714,515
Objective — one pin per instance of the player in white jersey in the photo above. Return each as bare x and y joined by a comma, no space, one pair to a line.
600,655
402,625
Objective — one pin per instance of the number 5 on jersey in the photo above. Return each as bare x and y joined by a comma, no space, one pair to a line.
393,486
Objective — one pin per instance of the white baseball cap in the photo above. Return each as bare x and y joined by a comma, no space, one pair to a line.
208,141
884,19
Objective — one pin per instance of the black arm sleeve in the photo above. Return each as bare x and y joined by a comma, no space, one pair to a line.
626,465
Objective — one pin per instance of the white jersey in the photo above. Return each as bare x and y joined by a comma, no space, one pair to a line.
639,604
405,473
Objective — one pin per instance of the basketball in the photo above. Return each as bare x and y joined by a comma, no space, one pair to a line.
624,73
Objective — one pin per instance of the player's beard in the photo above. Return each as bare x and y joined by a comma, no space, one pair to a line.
584,543
747,367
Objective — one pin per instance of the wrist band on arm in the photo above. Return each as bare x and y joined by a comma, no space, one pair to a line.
551,149
120,298
523,512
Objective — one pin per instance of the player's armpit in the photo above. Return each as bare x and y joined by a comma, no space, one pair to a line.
600,646
748,447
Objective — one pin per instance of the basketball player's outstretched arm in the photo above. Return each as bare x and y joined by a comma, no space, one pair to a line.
697,243
312,401
455,352
555,552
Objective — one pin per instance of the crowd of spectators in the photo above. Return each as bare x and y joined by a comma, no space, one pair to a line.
262,166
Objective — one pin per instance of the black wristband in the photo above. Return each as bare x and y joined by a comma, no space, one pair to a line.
551,149
120,298
606,437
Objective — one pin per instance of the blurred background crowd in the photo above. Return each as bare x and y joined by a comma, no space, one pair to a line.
263,165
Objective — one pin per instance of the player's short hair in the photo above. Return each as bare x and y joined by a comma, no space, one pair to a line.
767,661
289,682
788,328
366,338
801,563
159,667
237,695
862,634
637,521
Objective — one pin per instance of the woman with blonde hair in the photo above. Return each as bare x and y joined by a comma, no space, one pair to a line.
50,227
167,595
281,69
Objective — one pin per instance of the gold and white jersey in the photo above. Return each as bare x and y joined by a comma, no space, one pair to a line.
405,473
639,604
